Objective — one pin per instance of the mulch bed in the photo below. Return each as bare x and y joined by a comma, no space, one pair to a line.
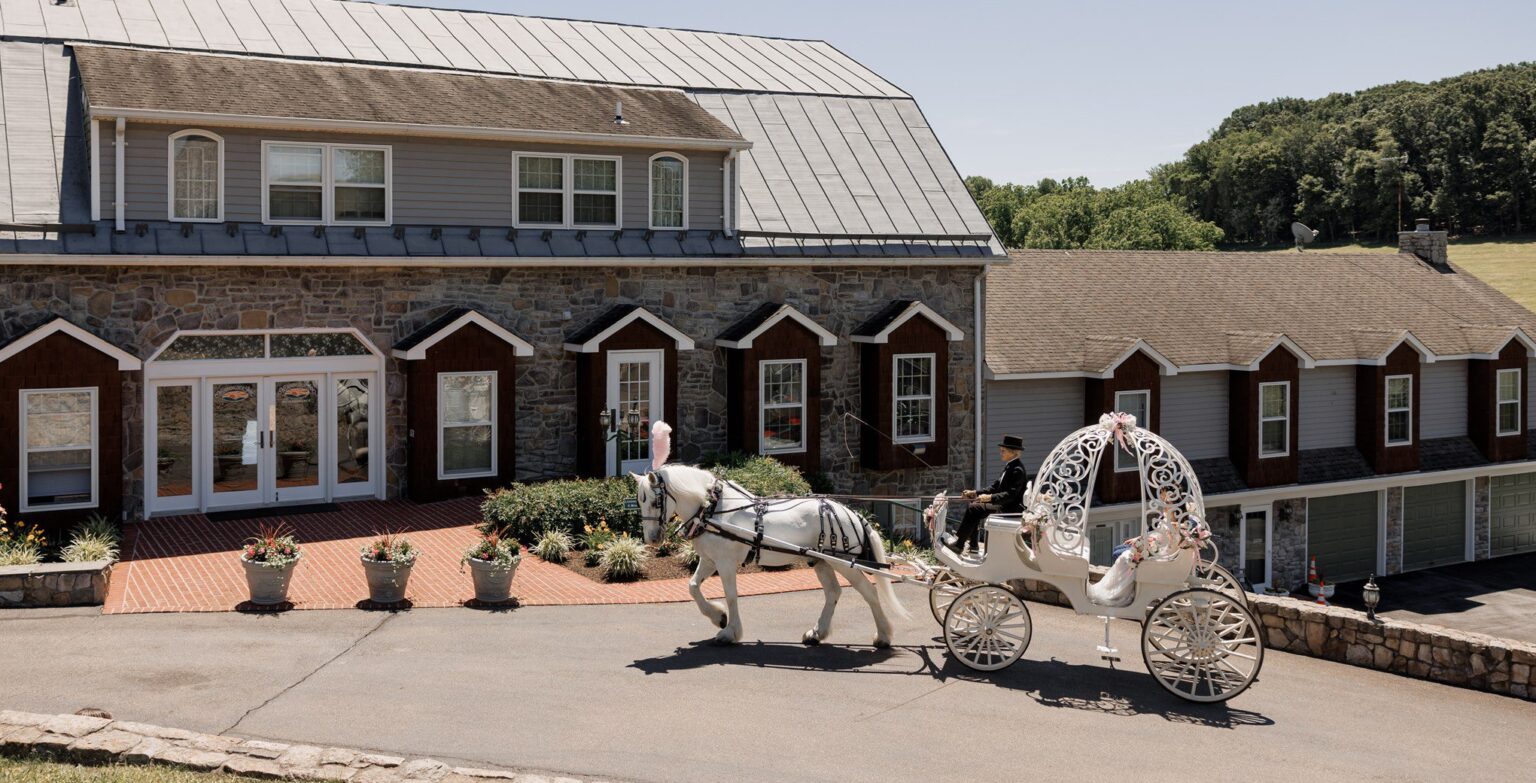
656,568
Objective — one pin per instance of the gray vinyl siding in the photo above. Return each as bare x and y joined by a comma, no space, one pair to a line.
435,181
1327,403
1194,413
1443,399
1042,412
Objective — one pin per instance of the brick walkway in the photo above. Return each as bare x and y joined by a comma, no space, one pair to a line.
189,564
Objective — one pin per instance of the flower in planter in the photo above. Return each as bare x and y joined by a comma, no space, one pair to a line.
492,548
273,545
390,547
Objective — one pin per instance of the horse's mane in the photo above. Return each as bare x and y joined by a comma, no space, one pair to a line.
692,482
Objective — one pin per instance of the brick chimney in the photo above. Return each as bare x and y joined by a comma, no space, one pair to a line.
1430,246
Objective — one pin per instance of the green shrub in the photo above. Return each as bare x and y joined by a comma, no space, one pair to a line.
764,476
624,559
553,546
524,511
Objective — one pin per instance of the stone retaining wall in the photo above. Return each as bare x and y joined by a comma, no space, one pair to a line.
1428,652
90,740
55,584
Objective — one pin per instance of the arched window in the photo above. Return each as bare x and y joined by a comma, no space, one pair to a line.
196,176
669,191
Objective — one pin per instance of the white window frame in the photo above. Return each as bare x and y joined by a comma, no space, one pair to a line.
931,397
328,184
170,175
650,192
442,426
1286,387
763,407
95,450
1121,454
568,191
1388,410
1499,402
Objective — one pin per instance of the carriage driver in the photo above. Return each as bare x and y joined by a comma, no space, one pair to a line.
1005,496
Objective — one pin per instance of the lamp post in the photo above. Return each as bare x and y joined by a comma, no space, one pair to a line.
623,430
1371,594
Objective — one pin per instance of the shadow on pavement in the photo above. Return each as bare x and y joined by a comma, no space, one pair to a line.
1051,683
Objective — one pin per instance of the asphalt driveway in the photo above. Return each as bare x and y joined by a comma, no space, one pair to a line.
1496,597
628,693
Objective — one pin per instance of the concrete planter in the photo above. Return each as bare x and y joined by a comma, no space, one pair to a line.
386,580
268,584
55,584
493,581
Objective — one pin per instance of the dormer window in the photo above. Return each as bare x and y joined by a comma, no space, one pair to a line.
566,191
196,176
1399,410
328,184
1509,401
669,191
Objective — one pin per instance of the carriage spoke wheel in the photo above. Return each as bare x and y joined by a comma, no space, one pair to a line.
987,628
946,588
1202,645
1214,577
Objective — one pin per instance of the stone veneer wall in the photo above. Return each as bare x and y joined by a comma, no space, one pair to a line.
55,584
140,307
1288,548
1225,523
1482,519
1394,542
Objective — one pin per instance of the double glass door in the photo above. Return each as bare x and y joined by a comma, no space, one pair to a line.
251,441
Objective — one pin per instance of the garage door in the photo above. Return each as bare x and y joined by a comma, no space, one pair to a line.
1341,534
1512,508
1434,524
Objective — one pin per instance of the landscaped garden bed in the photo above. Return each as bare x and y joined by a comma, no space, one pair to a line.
591,527
77,577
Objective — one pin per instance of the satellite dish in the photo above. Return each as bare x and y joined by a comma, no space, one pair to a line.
1304,235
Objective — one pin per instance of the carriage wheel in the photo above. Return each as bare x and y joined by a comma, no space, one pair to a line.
946,588
1210,575
987,628
1202,645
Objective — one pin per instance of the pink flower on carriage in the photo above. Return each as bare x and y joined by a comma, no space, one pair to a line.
1118,424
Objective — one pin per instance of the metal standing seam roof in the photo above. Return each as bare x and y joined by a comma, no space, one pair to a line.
839,154
1079,311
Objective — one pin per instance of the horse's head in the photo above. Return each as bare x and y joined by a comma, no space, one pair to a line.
651,495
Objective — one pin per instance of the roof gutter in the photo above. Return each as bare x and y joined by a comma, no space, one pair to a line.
479,262
413,129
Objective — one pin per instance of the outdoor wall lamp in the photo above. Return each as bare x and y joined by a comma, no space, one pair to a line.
1371,594
625,428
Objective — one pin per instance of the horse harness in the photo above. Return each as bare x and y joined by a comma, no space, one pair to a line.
833,530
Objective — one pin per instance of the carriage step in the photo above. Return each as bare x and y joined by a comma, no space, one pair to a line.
1109,654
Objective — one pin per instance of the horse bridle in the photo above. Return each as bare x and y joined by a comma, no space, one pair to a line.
662,493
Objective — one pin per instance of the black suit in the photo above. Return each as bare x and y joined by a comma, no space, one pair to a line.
1007,498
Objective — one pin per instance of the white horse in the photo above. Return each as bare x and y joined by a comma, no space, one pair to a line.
679,494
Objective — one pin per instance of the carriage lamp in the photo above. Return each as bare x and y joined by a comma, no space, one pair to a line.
1371,594
633,419
605,419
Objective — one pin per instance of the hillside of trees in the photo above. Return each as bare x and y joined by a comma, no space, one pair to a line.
1462,150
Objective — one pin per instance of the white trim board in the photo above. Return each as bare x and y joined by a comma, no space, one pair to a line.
826,338
682,341
419,351
126,362
914,309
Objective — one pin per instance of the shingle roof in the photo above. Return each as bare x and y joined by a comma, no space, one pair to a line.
1074,311
269,88
882,318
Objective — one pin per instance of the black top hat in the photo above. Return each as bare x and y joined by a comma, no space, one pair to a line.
1012,442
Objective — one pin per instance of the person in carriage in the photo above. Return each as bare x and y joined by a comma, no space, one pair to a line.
1005,496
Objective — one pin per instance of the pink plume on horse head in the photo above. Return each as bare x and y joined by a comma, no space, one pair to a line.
661,443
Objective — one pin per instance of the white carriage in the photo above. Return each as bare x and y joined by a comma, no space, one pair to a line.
1199,640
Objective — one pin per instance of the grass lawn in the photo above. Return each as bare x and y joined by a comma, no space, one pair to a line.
1508,264
29,771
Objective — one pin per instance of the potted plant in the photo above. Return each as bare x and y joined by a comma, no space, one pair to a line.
269,558
492,562
164,459
387,565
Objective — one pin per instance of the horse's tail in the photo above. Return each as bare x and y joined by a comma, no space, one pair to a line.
883,586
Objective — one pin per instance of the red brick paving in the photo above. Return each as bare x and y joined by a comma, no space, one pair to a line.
190,564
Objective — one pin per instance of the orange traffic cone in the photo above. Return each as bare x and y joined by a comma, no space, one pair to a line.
1312,572
1321,599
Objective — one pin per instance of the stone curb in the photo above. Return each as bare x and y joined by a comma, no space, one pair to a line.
83,739
1427,652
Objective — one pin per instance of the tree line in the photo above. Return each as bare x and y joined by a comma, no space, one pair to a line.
1356,166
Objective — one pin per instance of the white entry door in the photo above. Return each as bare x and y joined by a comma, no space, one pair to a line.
266,443
634,383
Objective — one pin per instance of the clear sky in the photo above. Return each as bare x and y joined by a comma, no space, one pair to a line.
1023,90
